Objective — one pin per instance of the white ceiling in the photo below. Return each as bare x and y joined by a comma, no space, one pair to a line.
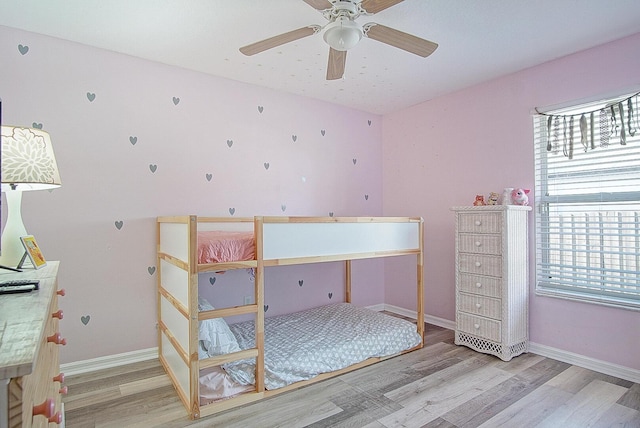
478,40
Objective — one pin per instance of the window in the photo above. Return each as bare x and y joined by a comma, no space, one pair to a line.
587,202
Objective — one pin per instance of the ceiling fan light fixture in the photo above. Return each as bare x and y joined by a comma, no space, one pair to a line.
342,34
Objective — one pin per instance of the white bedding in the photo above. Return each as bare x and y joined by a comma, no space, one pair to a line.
302,345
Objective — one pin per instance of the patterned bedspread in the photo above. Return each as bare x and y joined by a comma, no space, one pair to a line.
302,345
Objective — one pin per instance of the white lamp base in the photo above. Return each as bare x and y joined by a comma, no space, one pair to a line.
11,248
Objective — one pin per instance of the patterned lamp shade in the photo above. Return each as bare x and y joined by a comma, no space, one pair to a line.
28,162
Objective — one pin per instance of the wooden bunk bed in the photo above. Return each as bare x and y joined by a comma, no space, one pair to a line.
277,241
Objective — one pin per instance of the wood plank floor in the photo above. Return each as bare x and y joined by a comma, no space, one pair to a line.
441,385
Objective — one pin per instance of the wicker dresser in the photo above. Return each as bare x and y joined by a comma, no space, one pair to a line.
492,278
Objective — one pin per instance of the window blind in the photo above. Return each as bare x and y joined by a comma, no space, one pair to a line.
587,165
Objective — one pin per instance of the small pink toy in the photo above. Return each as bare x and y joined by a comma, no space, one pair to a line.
519,196
479,201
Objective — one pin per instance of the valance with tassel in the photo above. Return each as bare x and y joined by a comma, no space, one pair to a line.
611,124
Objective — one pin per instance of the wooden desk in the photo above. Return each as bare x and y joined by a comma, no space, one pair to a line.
29,349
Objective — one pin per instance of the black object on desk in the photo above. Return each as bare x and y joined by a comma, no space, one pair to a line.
19,286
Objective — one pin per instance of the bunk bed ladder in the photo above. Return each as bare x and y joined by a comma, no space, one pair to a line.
259,298
194,363
420,284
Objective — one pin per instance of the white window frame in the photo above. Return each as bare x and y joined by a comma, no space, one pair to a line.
567,260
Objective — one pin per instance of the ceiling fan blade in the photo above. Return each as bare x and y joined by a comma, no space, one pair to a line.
399,39
278,40
319,4
375,6
337,61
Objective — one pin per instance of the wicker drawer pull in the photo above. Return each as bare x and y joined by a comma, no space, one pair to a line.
478,222
478,243
478,305
478,264
476,326
478,285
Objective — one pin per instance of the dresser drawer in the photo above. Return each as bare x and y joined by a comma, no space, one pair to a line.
482,285
479,326
480,244
490,268
480,264
480,305
480,222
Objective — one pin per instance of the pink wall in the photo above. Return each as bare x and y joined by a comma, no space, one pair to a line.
128,153
445,151
419,161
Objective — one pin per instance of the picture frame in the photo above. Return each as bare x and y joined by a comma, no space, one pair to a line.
32,250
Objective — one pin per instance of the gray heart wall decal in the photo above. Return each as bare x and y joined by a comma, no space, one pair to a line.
260,109
266,165
37,125
85,319
151,270
330,295
322,132
153,167
300,282
366,197
133,140
266,308
232,211
23,49
283,207
355,161
331,214
212,280
176,100
119,224
229,143
209,177
91,96
369,122
294,138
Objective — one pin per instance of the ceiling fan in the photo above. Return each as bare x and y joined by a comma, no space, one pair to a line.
342,33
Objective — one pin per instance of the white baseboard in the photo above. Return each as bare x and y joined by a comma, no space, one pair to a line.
588,363
611,369
546,351
440,322
110,361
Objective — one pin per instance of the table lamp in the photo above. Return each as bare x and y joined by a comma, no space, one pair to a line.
28,163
